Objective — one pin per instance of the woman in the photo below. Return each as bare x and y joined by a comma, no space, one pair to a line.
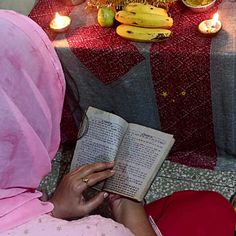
31,94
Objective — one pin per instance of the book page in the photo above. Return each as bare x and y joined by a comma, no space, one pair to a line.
140,156
101,140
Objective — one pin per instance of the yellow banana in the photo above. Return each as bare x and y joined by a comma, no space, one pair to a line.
145,8
140,34
144,19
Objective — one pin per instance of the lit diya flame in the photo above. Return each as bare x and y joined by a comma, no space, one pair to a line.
211,26
60,23
215,19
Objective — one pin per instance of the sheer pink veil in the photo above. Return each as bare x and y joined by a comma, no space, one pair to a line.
32,90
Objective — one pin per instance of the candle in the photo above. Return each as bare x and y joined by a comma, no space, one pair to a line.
211,26
60,23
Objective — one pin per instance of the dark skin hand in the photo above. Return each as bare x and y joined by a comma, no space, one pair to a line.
69,202
131,214
68,199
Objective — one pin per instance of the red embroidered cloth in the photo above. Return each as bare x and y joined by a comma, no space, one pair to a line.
110,60
180,68
181,77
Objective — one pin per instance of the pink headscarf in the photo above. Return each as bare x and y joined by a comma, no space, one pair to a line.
31,98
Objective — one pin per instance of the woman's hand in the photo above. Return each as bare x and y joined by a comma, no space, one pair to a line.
122,207
68,199
131,214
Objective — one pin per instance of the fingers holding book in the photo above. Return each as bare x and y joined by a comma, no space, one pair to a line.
68,199
92,174
87,169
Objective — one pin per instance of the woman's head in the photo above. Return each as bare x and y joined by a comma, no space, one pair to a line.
31,98
31,94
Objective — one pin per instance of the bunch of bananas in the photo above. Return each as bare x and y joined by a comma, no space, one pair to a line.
143,23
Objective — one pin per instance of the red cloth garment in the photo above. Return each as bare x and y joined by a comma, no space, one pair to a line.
193,213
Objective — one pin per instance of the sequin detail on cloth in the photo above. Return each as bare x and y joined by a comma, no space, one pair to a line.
108,50
183,89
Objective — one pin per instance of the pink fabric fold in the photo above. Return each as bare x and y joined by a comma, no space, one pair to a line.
32,89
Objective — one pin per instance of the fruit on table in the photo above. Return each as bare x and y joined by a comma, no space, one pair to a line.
144,19
105,16
145,8
142,34
143,22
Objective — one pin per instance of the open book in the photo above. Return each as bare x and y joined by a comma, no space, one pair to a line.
138,152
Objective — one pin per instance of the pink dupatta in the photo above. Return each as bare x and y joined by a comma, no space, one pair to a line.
32,90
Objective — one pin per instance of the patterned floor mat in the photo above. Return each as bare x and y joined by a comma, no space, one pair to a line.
175,177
